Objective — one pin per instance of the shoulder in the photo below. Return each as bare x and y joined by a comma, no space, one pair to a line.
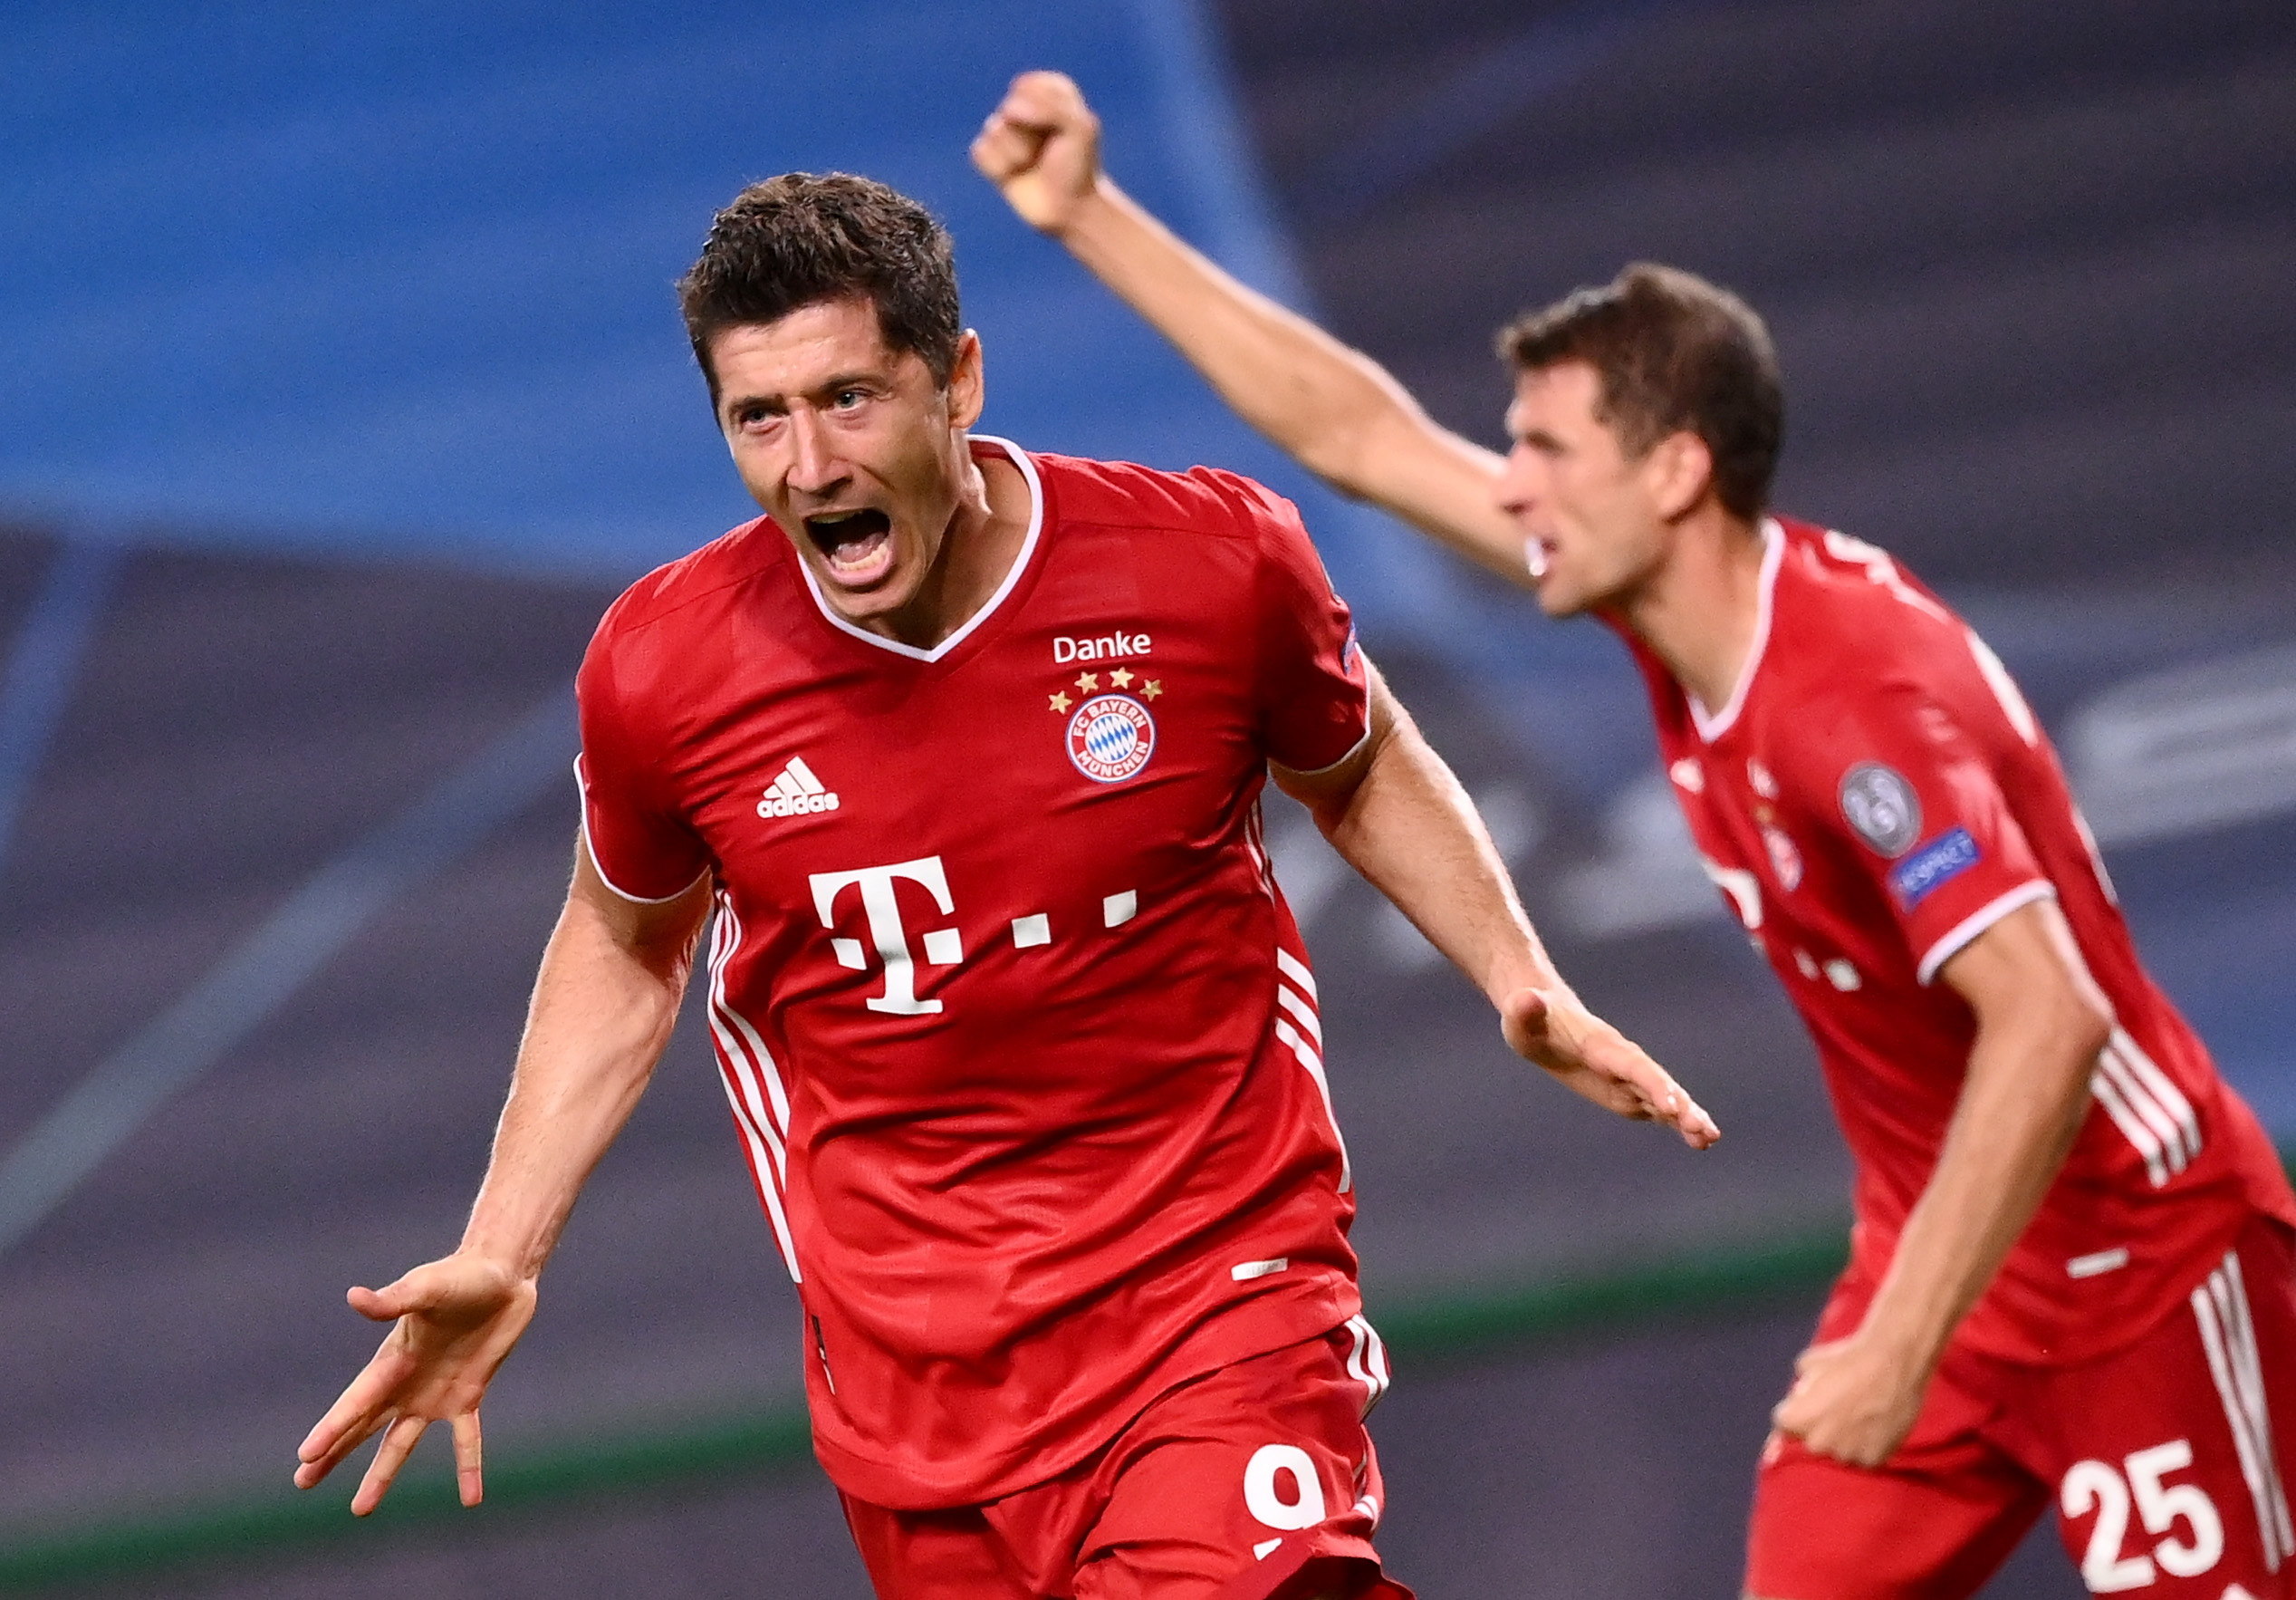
1206,500
694,583
1844,590
1876,634
651,636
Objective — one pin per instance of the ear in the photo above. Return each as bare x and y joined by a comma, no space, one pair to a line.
1679,472
967,384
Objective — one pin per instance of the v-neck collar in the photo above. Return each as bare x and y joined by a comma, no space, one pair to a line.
1019,459
1773,551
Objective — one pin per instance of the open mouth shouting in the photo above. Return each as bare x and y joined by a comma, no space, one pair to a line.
858,545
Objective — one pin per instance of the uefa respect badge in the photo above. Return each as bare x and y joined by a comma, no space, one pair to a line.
1110,738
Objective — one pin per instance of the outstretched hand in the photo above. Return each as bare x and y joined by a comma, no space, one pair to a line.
456,1319
1042,146
1598,1061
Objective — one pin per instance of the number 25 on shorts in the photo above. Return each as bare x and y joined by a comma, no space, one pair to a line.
2100,1486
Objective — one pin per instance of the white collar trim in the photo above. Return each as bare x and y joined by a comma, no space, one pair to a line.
1012,576
1773,551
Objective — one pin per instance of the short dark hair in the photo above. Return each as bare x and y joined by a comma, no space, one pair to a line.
1676,354
804,239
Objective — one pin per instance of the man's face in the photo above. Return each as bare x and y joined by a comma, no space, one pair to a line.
850,446
1591,518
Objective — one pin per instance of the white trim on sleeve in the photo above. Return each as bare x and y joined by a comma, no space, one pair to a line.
591,851
581,789
1959,936
1353,750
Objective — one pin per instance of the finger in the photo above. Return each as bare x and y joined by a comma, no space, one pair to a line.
1049,99
356,1414
1027,113
470,1476
1005,148
327,1445
1671,1105
1698,1127
398,1444
1690,1119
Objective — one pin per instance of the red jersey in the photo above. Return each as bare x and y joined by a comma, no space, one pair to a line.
1020,1037
1876,795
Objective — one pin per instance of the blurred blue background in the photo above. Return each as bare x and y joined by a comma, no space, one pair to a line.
345,386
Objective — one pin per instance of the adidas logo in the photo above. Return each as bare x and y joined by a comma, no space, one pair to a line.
796,793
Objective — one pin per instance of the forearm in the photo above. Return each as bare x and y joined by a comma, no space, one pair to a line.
1282,373
1338,413
600,1018
2020,1111
1411,829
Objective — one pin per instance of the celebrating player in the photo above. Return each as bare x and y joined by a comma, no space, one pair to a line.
2071,1278
963,746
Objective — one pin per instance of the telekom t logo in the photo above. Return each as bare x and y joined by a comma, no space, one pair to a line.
942,945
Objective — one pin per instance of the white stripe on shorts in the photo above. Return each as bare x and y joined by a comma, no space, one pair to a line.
2221,1307
1368,1361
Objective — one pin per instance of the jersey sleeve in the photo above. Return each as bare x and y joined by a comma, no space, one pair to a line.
637,841
1925,820
1314,699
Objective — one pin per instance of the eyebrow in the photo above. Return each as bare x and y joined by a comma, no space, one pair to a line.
864,378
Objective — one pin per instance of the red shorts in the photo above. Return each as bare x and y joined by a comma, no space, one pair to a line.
1256,1481
2159,1459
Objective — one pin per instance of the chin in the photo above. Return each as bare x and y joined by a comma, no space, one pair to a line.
1560,600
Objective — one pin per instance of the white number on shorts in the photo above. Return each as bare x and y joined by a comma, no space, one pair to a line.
1304,1509
2095,1485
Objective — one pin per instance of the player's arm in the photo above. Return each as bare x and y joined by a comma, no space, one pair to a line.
1398,814
1336,410
2040,1022
608,993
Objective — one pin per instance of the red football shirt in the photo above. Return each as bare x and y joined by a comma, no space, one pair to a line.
1876,795
1020,1037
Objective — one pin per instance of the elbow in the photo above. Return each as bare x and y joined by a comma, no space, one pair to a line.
1334,451
2084,1026
2092,1025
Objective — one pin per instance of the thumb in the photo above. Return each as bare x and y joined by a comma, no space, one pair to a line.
390,1302
1522,1018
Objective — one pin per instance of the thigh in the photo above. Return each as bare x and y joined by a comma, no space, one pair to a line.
1255,1482
950,1555
1931,1523
2167,1456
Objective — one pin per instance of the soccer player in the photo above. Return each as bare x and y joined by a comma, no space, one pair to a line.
2071,1279
957,752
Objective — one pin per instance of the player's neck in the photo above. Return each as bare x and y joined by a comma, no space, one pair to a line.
982,541
1700,610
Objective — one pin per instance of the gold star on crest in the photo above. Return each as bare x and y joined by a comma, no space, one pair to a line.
1060,702
1086,682
1120,678
1152,688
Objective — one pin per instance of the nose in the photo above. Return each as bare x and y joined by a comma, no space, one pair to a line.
813,468
1513,490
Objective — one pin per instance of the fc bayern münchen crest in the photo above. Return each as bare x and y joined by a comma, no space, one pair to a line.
1110,738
